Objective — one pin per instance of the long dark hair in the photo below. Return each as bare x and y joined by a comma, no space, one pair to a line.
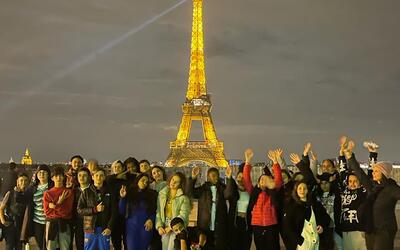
183,180
135,195
296,197
162,171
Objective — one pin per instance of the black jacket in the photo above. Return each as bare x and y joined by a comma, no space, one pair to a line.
204,196
87,203
355,209
382,197
293,220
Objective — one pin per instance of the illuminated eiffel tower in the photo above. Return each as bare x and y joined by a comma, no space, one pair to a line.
197,106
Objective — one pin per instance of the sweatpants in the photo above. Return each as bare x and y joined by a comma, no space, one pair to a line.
39,233
96,240
266,238
61,241
354,240
380,239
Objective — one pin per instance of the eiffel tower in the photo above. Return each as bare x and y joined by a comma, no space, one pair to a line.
197,106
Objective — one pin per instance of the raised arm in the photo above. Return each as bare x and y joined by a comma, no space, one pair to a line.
355,166
231,187
248,184
303,165
191,190
276,156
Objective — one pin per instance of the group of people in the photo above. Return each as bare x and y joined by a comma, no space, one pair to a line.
332,205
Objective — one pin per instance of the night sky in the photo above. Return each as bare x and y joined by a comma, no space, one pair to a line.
106,78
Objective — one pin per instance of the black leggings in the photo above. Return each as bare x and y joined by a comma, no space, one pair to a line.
266,238
38,232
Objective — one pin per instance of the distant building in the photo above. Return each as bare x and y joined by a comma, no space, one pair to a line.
26,159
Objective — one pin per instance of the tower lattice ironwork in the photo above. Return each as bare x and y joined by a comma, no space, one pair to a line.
197,106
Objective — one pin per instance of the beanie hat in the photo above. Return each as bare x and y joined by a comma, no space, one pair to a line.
385,167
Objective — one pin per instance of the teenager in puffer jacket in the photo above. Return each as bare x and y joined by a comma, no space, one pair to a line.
171,203
262,211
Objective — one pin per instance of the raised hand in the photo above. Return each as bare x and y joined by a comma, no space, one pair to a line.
343,141
371,146
272,156
122,191
195,172
228,172
313,155
148,225
348,151
248,155
295,158
307,149
278,153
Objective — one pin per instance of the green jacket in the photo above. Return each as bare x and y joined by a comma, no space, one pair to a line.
180,207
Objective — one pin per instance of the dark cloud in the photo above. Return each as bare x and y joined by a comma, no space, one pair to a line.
280,73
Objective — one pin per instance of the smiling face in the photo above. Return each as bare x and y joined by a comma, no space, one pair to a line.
143,182
76,163
117,168
22,182
144,167
353,182
157,174
302,191
175,182
42,176
376,174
